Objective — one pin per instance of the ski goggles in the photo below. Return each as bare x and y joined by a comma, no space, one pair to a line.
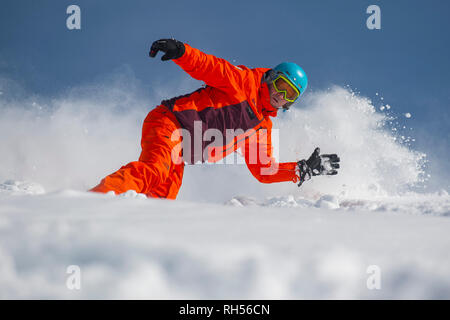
283,85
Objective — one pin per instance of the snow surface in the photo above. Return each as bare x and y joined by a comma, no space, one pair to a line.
130,247
226,236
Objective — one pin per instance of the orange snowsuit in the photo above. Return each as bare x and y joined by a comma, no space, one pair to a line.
231,112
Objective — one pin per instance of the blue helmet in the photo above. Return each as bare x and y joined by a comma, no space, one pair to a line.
294,73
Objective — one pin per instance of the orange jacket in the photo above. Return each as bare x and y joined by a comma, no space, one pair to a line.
235,103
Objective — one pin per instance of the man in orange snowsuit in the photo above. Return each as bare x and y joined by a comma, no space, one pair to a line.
231,112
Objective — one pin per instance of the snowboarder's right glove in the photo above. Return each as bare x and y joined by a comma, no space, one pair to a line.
317,165
173,49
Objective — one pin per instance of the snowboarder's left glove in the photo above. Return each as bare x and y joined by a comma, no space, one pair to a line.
173,49
318,165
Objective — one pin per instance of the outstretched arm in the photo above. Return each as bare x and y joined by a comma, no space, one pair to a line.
215,72
258,157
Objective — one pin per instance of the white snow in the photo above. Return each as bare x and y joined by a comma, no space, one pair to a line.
226,236
12,187
283,248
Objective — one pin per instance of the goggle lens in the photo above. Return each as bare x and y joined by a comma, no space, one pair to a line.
283,85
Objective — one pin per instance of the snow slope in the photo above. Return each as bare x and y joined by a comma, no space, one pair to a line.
130,247
227,236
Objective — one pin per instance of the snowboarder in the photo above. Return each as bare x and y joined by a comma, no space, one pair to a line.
235,99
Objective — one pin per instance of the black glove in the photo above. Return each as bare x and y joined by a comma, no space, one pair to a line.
318,165
173,49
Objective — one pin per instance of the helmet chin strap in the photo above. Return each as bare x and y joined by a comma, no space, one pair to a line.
286,106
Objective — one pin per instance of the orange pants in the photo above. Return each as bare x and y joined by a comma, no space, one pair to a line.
159,171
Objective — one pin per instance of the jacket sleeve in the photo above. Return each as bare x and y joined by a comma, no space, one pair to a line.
215,72
258,157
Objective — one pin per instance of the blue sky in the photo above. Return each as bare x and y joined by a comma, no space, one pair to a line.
407,61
